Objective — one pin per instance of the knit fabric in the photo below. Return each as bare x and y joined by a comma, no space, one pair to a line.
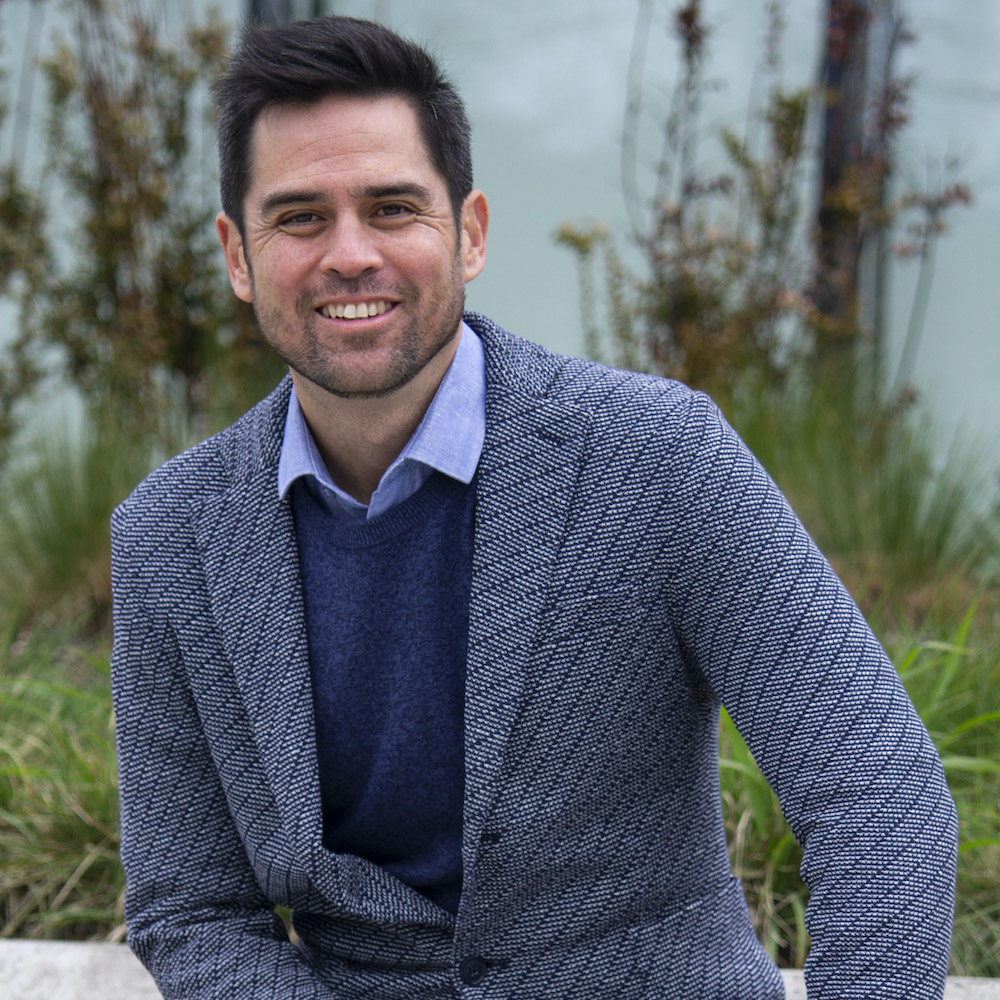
633,566
387,609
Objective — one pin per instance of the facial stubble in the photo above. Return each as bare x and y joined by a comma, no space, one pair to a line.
314,360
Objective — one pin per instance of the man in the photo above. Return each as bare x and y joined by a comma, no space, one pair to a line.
429,647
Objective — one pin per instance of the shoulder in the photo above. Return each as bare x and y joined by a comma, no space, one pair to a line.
246,449
616,403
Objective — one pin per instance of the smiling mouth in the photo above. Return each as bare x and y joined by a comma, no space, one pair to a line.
355,310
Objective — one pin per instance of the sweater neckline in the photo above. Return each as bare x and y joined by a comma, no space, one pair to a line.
438,492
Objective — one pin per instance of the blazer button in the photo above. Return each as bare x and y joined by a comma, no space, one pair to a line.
472,971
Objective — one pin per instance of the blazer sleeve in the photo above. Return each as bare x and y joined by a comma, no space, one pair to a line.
196,916
823,711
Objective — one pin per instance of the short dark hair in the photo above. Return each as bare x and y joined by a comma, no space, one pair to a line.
309,60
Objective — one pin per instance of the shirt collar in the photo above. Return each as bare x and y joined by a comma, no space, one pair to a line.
448,439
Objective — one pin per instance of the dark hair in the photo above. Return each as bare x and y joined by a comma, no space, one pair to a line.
309,60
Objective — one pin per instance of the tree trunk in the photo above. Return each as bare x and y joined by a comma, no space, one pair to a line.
839,218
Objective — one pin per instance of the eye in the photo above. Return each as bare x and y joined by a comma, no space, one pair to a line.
393,210
300,221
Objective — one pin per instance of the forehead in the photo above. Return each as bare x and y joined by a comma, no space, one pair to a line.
338,137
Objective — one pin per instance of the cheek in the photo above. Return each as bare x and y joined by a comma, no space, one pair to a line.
285,271
434,263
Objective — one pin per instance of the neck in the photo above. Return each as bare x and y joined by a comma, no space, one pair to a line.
359,438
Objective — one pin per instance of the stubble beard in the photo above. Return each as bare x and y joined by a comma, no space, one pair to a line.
306,353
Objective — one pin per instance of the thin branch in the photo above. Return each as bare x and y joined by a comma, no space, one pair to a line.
917,318
631,119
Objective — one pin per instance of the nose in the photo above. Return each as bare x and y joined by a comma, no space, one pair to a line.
351,249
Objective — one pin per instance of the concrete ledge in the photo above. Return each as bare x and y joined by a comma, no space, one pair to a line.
64,970
61,970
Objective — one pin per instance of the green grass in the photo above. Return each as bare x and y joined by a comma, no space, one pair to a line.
954,685
60,876
884,509
58,496
763,852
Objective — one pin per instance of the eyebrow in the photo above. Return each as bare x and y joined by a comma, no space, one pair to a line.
282,199
397,191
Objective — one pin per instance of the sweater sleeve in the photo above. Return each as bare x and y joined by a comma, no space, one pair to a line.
196,915
823,711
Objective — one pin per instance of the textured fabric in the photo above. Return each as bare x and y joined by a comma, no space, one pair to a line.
633,567
389,687
448,439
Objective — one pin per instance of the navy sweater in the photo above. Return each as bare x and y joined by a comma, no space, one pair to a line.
387,604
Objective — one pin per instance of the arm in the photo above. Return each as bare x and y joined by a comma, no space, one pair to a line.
196,915
826,717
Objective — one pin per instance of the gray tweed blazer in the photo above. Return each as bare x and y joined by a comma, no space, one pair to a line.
634,569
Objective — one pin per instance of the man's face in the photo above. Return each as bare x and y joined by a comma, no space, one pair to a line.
352,256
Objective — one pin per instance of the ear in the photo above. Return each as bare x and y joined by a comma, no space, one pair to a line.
475,219
236,261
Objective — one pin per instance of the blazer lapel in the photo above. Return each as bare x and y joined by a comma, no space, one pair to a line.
526,482
247,541
246,538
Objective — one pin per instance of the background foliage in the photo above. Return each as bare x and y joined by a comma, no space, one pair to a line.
128,303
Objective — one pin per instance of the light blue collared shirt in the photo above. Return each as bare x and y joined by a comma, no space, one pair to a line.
449,439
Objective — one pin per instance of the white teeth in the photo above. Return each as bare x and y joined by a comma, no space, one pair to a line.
361,310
